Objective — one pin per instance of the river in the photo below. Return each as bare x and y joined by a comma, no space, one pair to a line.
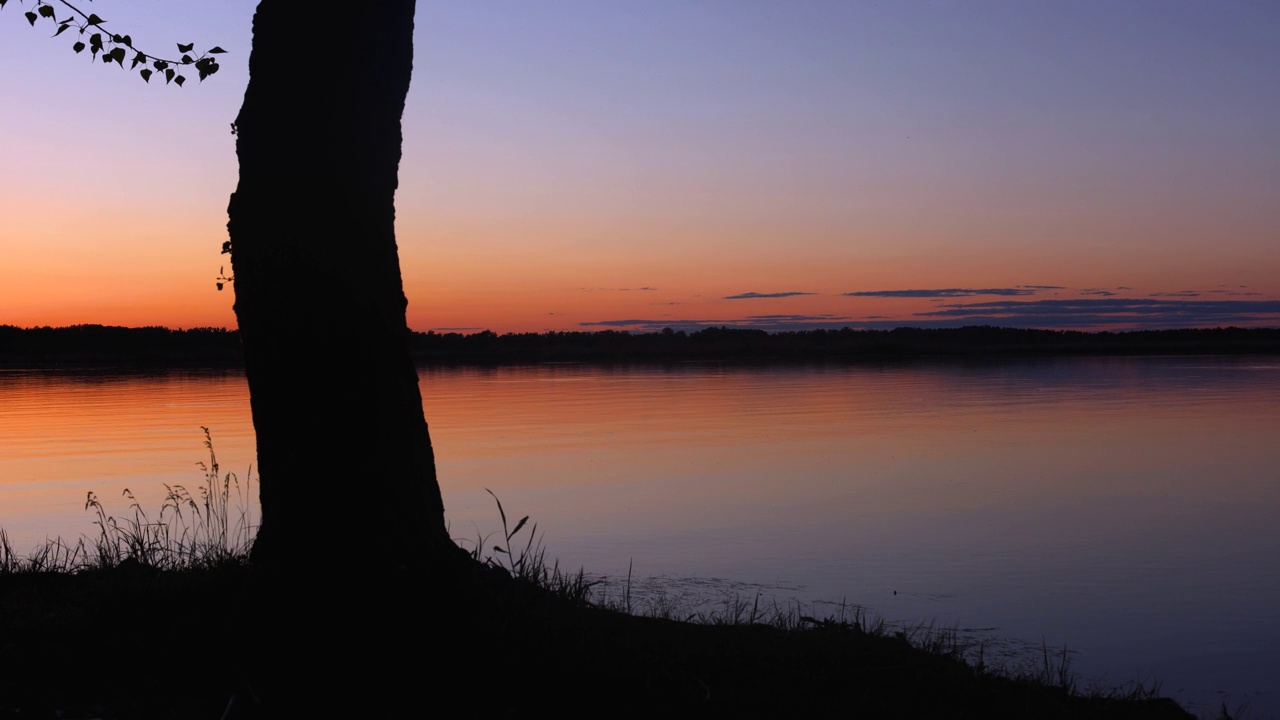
1127,509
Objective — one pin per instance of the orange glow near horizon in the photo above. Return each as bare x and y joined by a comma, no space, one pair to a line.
547,181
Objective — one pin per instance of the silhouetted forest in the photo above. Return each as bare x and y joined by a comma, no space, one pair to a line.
150,347
161,347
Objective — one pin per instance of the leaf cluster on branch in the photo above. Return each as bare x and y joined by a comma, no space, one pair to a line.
112,47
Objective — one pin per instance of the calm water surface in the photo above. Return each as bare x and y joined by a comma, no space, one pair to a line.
1126,508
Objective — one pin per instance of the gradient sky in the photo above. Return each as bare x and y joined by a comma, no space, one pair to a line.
590,165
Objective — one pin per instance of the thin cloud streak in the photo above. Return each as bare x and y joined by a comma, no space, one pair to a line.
756,295
1090,312
1077,314
771,323
949,292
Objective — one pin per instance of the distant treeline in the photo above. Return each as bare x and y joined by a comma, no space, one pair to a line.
743,345
162,347
148,347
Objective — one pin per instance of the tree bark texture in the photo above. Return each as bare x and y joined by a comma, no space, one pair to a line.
345,464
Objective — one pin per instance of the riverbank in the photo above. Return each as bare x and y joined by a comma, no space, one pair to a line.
168,617
230,641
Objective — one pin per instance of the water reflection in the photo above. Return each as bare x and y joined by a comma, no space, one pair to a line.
63,434
1128,508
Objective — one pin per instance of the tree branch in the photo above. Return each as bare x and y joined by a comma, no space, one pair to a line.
112,46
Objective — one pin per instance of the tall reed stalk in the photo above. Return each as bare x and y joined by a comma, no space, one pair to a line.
209,527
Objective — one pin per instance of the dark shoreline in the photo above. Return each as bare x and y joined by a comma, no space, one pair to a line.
354,642
161,348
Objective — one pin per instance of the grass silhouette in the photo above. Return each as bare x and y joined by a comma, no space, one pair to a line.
514,627
209,527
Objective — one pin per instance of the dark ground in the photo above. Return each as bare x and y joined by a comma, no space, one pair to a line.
233,643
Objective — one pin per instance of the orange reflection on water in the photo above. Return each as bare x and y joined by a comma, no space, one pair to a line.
64,434
1100,503
778,431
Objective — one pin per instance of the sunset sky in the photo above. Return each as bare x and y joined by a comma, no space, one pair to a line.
636,165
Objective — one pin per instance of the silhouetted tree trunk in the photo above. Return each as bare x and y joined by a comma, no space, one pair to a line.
345,463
